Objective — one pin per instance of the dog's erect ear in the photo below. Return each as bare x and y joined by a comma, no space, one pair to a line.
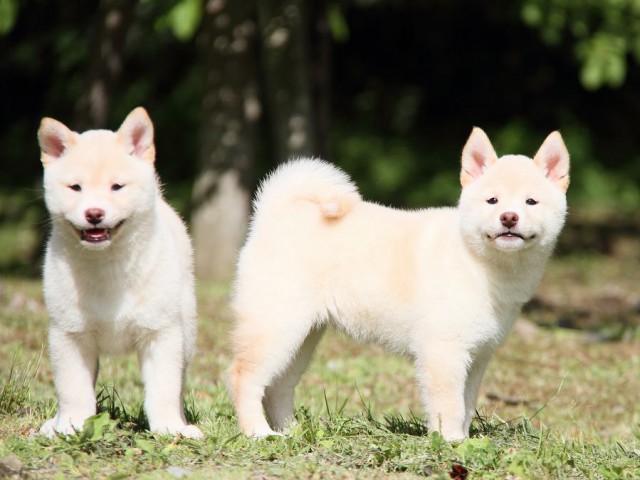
477,155
54,139
553,159
136,133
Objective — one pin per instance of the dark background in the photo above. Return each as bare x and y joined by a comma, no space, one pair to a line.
406,82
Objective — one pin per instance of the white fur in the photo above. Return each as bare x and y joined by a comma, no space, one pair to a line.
133,291
434,284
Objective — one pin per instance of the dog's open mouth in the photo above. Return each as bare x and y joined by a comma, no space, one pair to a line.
510,234
98,235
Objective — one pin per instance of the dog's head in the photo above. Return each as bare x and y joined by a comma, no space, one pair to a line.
513,203
97,182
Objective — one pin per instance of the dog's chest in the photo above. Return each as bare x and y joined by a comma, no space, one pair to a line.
119,320
119,307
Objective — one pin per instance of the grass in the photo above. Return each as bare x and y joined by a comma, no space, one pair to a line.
560,398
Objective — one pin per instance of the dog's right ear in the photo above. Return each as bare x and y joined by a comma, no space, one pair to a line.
54,139
477,155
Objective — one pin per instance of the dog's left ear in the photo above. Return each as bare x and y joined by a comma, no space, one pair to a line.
136,133
553,159
477,155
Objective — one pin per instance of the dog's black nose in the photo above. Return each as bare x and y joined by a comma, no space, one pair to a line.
94,215
509,219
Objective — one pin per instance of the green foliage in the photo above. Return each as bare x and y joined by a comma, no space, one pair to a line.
183,19
604,60
8,15
95,428
402,172
22,226
401,104
604,33
337,23
396,171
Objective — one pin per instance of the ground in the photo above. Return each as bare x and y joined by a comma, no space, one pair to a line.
559,400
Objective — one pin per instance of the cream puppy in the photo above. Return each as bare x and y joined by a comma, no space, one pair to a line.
118,273
442,285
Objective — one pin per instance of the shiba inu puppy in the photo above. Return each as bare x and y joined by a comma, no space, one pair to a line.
441,285
118,271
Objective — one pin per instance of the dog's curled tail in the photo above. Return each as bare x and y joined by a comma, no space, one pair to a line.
312,180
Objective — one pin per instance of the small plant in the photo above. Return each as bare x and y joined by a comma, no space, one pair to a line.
14,394
412,425
108,400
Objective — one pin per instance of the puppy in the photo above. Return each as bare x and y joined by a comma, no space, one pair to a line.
118,271
441,285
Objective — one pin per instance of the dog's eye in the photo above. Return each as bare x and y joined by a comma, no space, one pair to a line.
75,187
531,201
116,186
492,201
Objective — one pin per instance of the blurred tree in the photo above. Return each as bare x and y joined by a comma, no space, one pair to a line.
604,34
229,136
105,63
292,80
287,77
406,87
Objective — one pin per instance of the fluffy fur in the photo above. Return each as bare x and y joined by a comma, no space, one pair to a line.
441,285
118,273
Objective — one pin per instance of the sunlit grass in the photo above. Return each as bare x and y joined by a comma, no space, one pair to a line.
554,404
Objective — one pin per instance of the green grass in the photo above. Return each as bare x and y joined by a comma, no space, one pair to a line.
555,403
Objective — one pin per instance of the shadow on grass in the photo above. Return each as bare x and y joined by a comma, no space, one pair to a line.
108,400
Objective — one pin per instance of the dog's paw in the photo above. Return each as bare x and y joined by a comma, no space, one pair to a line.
191,431
48,429
53,426
263,433
187,431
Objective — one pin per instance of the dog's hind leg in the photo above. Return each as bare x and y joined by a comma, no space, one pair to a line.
278,398
264,349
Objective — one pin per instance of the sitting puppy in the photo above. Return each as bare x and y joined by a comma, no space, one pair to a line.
442,285
118,271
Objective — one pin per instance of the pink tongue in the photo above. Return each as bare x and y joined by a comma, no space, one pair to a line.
96,235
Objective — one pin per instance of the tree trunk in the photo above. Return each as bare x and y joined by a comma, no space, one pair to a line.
287,78
321,73
105,65
231,108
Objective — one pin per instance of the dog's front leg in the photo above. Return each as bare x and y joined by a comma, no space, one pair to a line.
442,374
74,357
163,363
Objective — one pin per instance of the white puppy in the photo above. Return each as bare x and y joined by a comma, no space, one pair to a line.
442,286
118,271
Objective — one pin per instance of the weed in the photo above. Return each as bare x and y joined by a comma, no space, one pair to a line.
15,393
108,401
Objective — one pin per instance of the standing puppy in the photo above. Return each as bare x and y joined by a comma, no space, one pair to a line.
118,271
442,286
